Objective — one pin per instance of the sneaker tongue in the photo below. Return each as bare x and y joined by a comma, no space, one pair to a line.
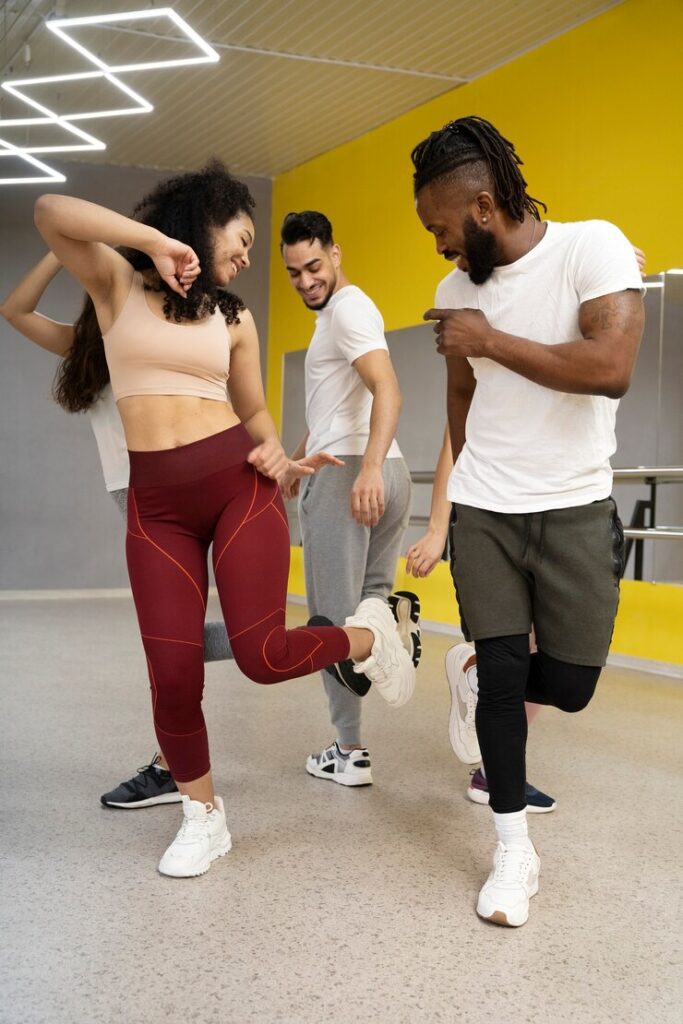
194,809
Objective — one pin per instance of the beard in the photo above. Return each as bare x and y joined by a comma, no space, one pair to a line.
481,251
321,303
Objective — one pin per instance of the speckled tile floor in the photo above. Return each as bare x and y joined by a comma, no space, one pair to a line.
357,903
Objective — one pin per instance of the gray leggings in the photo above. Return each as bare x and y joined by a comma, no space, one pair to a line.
216,643
344,562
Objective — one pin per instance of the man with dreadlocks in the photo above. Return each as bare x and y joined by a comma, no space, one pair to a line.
540,324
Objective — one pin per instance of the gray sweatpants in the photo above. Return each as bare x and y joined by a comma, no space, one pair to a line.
345,563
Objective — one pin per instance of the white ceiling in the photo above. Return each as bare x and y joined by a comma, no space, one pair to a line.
295,77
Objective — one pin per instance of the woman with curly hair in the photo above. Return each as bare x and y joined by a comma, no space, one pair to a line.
203,470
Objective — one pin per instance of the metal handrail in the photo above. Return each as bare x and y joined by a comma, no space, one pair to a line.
644,474
655,533
636,532
662,474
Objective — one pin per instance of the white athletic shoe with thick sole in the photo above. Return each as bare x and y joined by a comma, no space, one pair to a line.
405,607
350,769
202,837
504,899
461,728
389,667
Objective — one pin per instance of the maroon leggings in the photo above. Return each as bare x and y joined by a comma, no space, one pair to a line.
180,501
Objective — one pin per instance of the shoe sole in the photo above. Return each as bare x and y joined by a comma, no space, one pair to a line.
405,612
340,778
477,797
225,847
500,917
167,798
452,663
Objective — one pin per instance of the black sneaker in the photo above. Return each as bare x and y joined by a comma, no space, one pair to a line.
343,671
151,786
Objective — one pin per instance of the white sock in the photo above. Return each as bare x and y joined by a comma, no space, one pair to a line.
511,829
472,679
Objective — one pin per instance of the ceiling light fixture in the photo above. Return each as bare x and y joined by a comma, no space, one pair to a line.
60,27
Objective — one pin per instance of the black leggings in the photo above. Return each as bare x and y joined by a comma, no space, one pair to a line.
508,676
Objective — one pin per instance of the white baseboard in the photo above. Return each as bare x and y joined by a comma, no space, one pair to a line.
64,595
657,668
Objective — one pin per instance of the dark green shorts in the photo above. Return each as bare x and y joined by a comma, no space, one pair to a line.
557,570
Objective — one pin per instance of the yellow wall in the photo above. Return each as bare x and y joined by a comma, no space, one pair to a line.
596,116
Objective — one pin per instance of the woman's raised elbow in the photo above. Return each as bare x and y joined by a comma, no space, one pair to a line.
44,207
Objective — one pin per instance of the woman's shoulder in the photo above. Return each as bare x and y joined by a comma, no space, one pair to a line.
244,327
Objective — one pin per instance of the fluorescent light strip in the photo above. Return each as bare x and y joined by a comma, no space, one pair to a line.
57,27
50,175
91,143
64,120
209,54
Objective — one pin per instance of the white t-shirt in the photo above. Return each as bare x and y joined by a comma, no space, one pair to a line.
111,442
338,404
529,448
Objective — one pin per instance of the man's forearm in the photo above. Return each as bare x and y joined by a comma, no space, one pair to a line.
386,406
576,367
300,449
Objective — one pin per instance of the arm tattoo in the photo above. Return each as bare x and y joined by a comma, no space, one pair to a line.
614,312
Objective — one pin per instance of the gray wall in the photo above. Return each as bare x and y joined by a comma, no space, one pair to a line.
58,527
649,420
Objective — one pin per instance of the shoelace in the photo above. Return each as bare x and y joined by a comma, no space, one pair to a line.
386,665
513,864
193,827
143,778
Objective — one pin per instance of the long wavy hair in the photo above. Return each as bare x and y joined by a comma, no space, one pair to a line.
186,207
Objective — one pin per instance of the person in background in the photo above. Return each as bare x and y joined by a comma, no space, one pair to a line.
352,517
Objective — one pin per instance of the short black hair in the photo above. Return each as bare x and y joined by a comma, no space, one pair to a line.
306,227
472,146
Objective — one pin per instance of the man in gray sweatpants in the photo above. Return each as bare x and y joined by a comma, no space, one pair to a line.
352,516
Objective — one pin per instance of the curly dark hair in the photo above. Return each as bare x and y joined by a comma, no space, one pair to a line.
83,373
186,207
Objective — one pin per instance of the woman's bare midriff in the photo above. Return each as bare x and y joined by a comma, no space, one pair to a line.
155,422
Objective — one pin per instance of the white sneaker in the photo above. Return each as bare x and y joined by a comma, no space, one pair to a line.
348,769
389,666
405,607
504,899
203,836
461,728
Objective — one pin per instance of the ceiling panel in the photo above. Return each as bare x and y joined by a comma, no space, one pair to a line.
295,79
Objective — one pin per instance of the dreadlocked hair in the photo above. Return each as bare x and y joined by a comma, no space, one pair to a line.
187,208
473,140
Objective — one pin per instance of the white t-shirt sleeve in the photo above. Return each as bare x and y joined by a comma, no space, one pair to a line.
357,328
604,262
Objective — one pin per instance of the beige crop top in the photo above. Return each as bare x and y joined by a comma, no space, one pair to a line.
150,356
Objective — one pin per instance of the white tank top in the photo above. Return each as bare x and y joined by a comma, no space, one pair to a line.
111,442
